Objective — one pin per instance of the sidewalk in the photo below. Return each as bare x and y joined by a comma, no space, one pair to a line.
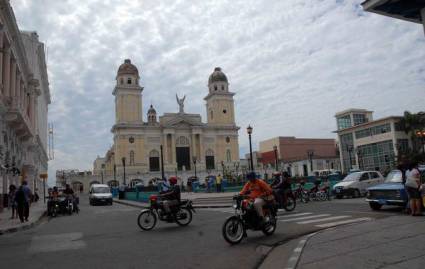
394,242
7,225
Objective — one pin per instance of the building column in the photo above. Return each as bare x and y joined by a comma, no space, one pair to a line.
18,89
165,148
193,146
6,72
173,149
201,149
1,58
13,79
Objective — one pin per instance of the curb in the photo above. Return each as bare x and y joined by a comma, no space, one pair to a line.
194,206
24,227
296,254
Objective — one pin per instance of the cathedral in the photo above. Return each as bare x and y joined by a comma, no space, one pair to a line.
180,139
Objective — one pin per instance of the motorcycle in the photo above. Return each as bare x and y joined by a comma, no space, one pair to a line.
234,228
180,214
286,201
301,194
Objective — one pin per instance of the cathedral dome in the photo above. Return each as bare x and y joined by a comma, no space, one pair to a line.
151,110
127,68
217,76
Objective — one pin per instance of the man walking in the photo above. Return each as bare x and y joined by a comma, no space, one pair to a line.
22,197
218,181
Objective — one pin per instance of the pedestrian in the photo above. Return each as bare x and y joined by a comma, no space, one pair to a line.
218,181
207,185
413,183
22,198
11,201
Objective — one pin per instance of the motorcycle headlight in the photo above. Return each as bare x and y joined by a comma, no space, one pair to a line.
235,204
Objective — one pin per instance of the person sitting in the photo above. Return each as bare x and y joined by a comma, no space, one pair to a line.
257,190
171,197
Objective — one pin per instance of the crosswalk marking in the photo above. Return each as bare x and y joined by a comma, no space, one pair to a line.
303,218
293,215
336,223
323,220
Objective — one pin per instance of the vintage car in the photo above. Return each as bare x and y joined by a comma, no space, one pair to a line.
391,192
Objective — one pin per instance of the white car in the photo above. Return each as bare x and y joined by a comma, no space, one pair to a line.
100,193
356,184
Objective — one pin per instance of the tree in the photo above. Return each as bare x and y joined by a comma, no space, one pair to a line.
410,123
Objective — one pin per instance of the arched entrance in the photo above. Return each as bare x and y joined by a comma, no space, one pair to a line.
77,186
135,181
183,153
94,182
113,183
209,159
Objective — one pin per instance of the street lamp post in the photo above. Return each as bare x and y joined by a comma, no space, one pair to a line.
162,164
123,164
275,157
103,171
249,130
194,164
310,154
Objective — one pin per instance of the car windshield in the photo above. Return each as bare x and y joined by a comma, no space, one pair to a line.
352,177
394,177
101,190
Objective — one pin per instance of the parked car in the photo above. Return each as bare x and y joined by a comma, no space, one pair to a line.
391,192
100,194
356,184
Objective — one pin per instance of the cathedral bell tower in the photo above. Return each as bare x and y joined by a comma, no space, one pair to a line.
220,103
128,94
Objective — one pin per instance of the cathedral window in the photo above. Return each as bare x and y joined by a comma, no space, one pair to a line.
209,159
215,87
227,139
121,81
154,160
228,156
131,157
211,113
224,111
129,81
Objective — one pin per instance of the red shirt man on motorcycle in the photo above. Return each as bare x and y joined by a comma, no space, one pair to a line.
172,196
257,190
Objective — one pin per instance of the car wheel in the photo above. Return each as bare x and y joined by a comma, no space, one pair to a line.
356,193
375,206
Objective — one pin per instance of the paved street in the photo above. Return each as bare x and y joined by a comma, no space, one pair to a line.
108,237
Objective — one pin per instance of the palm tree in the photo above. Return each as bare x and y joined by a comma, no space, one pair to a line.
410,123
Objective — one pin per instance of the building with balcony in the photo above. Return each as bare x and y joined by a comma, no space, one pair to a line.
299,156
369,144
24,100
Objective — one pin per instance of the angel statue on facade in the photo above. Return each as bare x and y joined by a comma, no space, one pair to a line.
181,103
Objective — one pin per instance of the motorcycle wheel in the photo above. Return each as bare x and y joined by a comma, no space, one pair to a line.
146,220
270,226
233,230
290,204
305,197
323,196
183,221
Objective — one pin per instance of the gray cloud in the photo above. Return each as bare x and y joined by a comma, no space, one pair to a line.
293,64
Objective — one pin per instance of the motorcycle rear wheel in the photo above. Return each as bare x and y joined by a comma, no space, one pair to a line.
186,221
270,226
233,230
290,204
146,220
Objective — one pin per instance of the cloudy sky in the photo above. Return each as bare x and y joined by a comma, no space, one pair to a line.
292,64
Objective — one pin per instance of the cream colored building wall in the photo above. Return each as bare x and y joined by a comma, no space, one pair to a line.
216,105
267,145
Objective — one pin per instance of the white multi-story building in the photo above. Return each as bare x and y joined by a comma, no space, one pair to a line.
24,100
369,144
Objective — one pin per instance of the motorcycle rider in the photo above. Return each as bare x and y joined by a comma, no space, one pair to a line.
281,185
257,190
69,194
171,197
